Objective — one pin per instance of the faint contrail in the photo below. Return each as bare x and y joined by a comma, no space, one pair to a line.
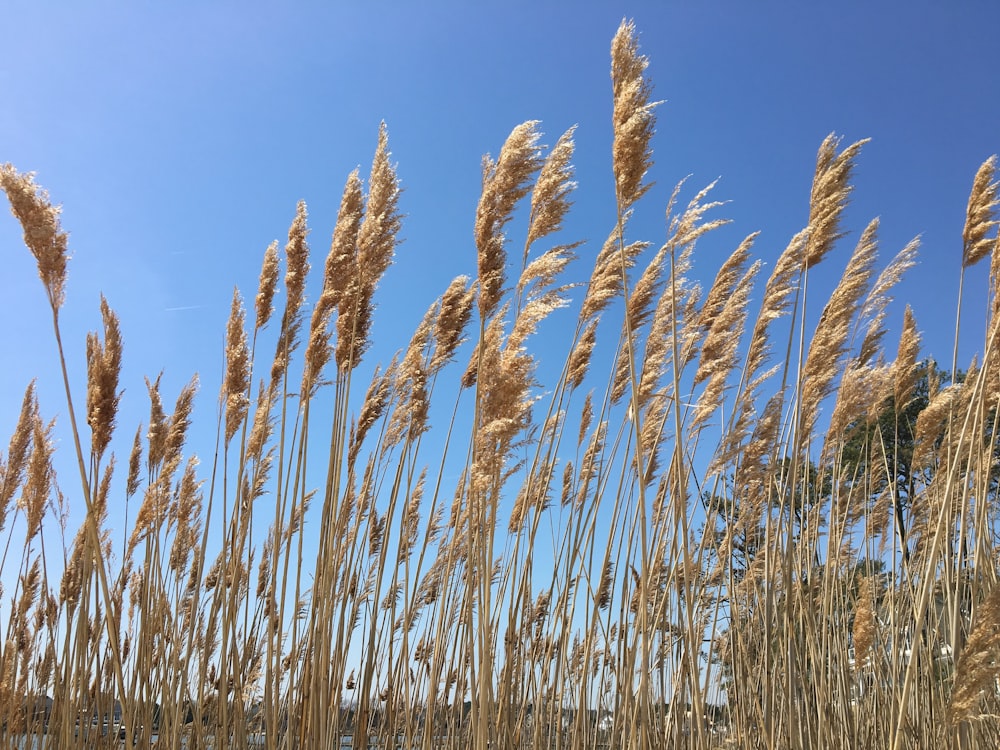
183,307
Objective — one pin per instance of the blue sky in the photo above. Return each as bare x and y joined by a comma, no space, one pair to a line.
179,138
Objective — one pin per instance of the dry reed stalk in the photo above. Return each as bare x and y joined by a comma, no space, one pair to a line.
48,243
981,217
156,435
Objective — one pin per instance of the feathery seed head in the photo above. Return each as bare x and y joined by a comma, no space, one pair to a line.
297,253
237,381
606,279
719,349
725,281
830,338
452,320
134,462
340,277
633,116
831,190
981,215
43,235
873,309
550,196
579,358
382,220
979,662
376,245
179,423
376,400
263,423
104,364
505,182
864,621
905,369
40,476
18,450
296,271
156,436
264,304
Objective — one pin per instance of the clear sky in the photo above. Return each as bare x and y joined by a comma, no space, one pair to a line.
179,136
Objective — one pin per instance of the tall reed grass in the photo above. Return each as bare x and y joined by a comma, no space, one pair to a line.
739,530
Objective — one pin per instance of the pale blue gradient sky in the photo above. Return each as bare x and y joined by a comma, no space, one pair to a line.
179,138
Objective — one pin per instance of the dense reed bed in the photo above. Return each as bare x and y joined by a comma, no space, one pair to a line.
739,530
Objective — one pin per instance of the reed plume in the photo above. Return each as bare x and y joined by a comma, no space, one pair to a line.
505,182
452,320
237,378
904,368
687,568
830,339
981,214
12,469
633,117
296,270
42,232
831,190
376,244
264,301
337,278
104,362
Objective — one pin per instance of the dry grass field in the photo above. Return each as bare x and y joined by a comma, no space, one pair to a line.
741,530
